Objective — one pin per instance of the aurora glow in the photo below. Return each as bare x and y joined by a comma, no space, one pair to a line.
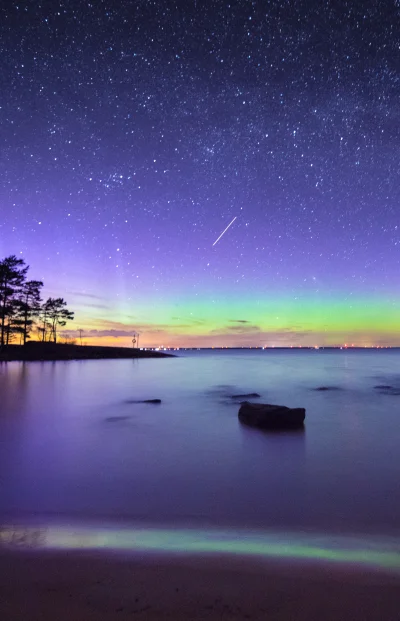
132,133
375,552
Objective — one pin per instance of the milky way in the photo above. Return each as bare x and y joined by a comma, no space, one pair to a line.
132,132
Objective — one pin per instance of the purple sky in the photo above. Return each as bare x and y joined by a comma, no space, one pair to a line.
132,133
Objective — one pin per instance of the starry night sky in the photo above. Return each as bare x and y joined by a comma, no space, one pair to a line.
132,133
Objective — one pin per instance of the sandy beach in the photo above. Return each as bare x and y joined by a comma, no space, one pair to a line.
69,587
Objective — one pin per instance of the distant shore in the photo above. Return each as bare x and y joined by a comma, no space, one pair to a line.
60,351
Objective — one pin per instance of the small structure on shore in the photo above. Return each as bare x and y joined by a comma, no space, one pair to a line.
266,416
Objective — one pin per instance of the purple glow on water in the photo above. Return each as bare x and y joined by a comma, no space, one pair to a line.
72,446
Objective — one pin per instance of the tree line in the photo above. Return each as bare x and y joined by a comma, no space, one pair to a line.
22,309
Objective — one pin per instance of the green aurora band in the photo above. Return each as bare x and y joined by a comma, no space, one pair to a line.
270,320
374,552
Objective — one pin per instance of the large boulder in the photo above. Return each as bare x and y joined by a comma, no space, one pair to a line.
267,416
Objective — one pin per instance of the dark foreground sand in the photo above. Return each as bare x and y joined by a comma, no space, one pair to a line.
66,587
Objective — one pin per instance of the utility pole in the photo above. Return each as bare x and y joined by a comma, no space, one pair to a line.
80,335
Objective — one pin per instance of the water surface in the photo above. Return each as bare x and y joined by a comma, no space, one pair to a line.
71,446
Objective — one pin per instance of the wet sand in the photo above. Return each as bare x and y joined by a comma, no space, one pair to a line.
69,587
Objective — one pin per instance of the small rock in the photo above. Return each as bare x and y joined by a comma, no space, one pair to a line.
388,390
249,395
266,416
143,401
115,419
323,388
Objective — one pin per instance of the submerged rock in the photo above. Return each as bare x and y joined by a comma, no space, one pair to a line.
116,419
388,390
143,401
249,395
323,388
266,416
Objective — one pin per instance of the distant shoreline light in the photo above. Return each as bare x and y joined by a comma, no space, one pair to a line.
274,347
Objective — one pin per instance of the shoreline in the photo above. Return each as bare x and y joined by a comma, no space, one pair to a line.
82,587
56,351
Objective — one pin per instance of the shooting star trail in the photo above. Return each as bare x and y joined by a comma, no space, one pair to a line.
224,231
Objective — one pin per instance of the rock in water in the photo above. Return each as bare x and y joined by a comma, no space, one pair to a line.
248,395
143,401
267,416
116,419
388,390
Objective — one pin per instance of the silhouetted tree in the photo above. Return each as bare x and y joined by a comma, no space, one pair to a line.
12,277
45,324
13,326
55,314
20,305
29,305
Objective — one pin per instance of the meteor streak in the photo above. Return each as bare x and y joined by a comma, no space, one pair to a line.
224,231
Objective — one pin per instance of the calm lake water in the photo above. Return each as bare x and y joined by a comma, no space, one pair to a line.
71,445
